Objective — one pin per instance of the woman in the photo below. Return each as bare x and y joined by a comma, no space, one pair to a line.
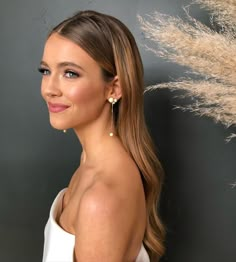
93,82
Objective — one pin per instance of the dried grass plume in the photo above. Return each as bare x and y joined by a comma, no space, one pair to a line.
209,53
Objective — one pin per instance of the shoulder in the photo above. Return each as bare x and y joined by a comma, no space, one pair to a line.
116,183
116,189
98,198
101,220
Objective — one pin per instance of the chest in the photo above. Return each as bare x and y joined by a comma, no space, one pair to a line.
79,183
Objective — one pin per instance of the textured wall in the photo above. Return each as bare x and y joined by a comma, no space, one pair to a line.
36,161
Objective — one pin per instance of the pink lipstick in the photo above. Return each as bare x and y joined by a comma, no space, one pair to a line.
56,108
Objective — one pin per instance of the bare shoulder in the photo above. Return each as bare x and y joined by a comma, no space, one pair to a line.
98,198
111,210
117,184
106,202
101,221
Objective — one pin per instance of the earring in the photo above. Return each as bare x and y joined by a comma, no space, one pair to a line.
64,131
112,101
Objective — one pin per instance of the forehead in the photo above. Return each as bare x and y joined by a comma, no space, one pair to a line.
58,49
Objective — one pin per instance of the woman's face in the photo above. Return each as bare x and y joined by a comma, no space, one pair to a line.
72,84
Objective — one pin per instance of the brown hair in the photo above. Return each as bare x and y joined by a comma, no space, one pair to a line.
109,42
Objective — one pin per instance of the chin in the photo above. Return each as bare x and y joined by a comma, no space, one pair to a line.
59,128
59,125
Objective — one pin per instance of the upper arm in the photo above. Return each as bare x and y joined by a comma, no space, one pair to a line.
102,228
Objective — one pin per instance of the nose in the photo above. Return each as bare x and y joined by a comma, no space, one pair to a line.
50,86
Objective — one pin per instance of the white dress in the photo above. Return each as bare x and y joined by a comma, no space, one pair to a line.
59,244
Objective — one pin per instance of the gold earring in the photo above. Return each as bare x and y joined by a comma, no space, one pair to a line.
112,101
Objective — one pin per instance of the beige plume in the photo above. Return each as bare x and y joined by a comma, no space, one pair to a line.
210,55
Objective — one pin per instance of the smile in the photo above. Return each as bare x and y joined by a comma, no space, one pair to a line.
56,108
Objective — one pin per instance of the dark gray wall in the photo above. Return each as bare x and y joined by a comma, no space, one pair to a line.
198,203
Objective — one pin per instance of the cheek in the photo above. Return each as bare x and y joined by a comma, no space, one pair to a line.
79,95
87,100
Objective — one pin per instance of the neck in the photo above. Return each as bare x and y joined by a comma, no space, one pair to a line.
95,141
95,152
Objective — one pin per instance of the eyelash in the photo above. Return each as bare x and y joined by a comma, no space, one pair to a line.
45,71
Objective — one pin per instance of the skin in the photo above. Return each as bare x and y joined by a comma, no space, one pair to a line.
104,205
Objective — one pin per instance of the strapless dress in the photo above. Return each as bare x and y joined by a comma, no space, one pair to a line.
59,244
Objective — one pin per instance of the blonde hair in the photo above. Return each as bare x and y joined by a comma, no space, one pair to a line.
109,42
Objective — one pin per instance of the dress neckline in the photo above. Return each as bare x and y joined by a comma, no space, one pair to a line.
56,211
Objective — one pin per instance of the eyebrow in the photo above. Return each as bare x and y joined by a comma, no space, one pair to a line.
63,64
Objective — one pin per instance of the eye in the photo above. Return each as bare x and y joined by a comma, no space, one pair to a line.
71,74
43,71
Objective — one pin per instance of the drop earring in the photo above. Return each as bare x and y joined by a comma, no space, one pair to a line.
112,101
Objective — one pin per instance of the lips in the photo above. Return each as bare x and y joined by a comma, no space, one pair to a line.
56,108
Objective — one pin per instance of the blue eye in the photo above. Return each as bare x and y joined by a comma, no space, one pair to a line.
71,74
43,71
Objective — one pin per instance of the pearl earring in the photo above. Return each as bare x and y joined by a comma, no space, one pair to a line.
112,101
64,131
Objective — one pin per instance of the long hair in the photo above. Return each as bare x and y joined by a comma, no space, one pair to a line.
109,42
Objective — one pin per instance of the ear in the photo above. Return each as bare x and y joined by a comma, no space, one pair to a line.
114,89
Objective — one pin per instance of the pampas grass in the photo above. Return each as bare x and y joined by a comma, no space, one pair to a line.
209,54
224,12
